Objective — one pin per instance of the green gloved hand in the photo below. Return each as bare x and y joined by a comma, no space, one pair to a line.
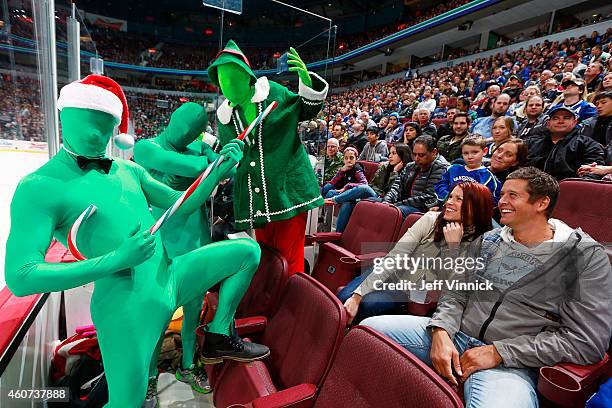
298,65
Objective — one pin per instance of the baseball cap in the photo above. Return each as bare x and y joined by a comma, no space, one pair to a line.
558,108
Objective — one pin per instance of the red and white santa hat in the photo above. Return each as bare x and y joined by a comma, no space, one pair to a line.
99,93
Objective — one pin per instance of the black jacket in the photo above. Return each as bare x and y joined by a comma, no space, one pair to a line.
563,159
416,188
588,129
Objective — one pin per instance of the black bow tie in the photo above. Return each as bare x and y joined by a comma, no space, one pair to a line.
103,164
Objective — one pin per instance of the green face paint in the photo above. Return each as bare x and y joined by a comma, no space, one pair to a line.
235,84
86,132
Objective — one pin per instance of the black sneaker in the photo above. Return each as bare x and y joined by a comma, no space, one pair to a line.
219,347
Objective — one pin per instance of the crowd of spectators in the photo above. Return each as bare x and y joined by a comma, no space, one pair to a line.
21,117
489,141
548,106
20,114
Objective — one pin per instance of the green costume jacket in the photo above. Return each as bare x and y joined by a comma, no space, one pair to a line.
274,180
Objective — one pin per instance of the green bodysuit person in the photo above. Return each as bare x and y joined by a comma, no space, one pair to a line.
176,157
137,287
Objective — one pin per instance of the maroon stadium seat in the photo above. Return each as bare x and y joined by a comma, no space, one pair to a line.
266,286
370,233
586,204
408,222
260,299
369,168
371,370
303,335
439,122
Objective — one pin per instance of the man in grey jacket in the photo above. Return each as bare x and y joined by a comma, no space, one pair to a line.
413,189
540,295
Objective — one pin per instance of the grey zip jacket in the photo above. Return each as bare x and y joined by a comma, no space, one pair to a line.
549,304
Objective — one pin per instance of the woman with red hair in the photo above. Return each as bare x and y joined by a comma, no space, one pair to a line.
427,251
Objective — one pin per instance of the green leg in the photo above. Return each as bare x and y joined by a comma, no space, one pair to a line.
191,320
233,261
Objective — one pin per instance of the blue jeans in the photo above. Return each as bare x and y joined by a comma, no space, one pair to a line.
349,199
379,302
407,209
498,387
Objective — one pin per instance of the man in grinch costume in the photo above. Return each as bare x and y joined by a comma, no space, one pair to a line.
275,185
176,157
137,287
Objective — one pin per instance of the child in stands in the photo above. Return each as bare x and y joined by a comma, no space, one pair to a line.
350,175
473,149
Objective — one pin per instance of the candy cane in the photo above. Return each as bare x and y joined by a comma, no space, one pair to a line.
74,230
158,224
72,236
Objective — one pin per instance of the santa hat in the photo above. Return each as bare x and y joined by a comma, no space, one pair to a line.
99,93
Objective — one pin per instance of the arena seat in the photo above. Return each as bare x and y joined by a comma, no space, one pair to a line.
439,122
384,375
369,168
266,287
408,222
260,299
303,334
341,256
586,204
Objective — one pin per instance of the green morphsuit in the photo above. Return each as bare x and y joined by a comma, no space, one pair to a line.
176,157
137,286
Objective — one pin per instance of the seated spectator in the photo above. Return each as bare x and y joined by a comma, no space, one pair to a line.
593,76
441,109
572,99
484,106
428,102
375,150
561,311
413,190
534,116
473,149
483,125
599,128
446,128
393,131
358,138
381,183
605,85
333,160
427,127
502,130
365,118
463,105
348,176
519,110
560,149
509,156
412,130
450,146
466,216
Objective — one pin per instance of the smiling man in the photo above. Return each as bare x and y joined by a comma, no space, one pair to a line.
551,303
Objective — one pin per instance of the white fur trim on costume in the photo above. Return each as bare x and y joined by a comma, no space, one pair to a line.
124,141
262,90
78,95
224,112
309,93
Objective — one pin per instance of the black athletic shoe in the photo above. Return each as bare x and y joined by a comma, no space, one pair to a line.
219,347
